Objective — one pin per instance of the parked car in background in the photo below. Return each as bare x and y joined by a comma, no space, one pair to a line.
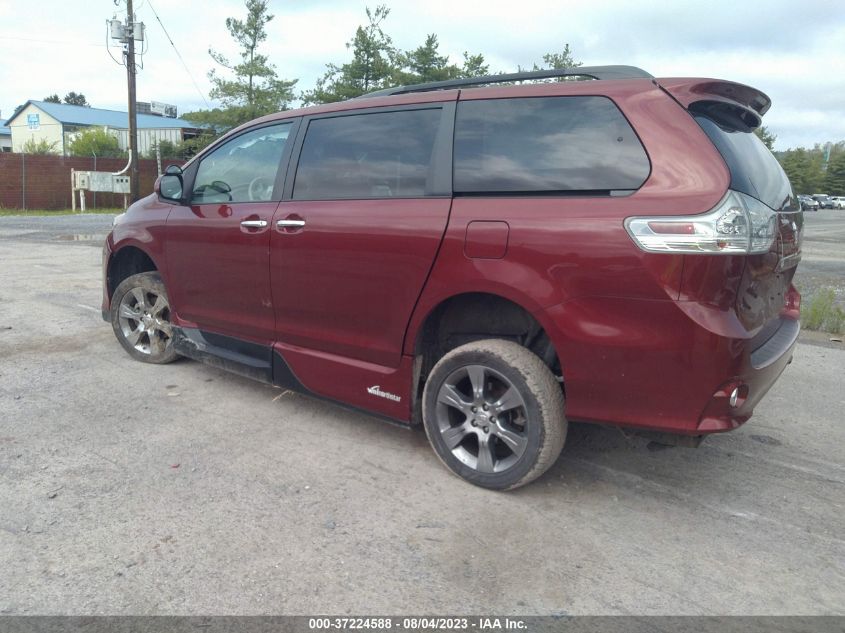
807,203
470,257
838,202
824,200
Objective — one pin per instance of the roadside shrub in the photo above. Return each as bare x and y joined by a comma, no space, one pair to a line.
95,140
41,147
822,313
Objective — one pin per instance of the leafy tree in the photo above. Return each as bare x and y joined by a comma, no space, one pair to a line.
53,98
95,140
168,149
376,63
72,98
834,180
474,66
562,59
425,64
766,135
805,169
554,61
41,147
373,64
191,146
255,89
217,120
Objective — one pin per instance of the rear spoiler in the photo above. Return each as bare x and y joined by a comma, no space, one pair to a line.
727,102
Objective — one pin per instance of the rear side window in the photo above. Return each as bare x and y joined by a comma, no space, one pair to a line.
754,169
551,144
373,155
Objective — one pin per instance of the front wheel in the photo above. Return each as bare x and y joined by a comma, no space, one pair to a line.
494,414
140,318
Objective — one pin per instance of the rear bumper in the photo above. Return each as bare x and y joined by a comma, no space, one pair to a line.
734,402
665,365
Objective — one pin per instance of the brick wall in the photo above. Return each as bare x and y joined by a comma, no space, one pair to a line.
43,182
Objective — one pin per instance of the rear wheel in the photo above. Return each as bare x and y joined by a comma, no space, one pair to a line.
494,414
140,318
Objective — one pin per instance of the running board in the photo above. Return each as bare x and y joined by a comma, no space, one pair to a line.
254,361
225,352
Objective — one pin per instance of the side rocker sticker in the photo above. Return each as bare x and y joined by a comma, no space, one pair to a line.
375,390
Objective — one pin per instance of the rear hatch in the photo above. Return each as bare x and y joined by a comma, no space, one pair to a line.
728,114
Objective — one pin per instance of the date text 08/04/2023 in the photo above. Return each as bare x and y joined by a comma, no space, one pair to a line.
416,623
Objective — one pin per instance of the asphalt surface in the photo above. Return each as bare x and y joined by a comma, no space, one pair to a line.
134,489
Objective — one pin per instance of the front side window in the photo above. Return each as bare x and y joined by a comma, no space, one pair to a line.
373,155
243,169
551,144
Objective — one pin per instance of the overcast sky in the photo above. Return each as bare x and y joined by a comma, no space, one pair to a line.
793,50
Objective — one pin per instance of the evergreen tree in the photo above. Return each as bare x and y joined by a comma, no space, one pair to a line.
766,135
373,64
834,179
78,99
255,88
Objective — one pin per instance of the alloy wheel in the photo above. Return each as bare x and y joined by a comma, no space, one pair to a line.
144,320
482,418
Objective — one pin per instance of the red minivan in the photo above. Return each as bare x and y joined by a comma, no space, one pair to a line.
489,261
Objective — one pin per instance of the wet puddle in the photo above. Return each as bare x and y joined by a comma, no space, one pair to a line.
81,237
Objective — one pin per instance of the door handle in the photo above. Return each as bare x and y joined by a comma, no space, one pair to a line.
290,224
254,224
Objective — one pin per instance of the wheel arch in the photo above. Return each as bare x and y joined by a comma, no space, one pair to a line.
130,259
468,316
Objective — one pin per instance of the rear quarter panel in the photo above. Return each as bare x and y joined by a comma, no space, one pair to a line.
564,247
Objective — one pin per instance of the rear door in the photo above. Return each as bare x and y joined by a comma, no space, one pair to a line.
354,240
218,244
757,173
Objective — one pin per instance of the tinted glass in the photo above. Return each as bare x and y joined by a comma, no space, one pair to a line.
243,169
754,169
546,144
374,155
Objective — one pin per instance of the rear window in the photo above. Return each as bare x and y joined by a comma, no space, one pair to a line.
547,144
754,169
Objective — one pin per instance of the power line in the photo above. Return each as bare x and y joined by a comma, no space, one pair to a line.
178,54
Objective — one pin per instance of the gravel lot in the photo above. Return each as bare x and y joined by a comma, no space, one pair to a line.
132,489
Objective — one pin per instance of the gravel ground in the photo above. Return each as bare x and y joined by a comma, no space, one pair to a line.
134,489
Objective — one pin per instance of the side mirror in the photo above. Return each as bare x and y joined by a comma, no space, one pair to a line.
169,185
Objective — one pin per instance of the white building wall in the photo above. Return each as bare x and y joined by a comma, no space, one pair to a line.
148,136
48,129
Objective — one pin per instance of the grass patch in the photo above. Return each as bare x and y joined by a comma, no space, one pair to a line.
822,313
47,212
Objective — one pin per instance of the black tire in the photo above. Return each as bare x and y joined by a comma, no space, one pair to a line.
140,318
519,442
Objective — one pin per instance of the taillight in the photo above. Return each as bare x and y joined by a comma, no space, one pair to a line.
738,224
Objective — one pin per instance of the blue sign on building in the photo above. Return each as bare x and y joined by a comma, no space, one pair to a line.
34,121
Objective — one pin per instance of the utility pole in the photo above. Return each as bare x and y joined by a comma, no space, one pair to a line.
125,34
134,172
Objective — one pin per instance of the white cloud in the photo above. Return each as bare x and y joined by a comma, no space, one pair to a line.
792,52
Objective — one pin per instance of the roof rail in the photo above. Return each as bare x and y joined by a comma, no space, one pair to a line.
593,72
